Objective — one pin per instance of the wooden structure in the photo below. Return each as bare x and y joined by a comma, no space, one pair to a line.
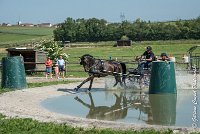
124,43
194,58
32,58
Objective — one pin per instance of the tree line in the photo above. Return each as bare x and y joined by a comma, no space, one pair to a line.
94,30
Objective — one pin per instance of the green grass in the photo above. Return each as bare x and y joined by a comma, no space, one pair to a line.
3,90
20,36
41,84
127,54
39,31
24,126
134,50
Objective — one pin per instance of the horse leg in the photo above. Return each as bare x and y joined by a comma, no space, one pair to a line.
91,81
120,80
116,81
124,79
86,80
141,79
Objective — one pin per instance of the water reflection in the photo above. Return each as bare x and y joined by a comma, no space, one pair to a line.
128,106
163,108
118,110
159,108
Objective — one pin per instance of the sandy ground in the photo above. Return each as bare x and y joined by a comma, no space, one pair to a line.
26,104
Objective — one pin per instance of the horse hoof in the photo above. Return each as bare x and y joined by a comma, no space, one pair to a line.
76,98
75,89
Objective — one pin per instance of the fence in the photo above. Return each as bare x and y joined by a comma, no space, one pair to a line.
74,66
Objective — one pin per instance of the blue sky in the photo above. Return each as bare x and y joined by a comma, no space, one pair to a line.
56,11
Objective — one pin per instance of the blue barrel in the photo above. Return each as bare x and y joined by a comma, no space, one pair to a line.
13,73
162,78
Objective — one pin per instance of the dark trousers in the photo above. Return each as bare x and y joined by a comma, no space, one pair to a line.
143,65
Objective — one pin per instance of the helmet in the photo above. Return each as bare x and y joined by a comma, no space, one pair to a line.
163,54
149,48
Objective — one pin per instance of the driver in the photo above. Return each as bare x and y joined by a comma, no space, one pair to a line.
147,57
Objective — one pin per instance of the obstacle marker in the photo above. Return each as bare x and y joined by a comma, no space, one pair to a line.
163,78
13,73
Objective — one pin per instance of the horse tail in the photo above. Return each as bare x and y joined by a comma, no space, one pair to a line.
123,72
123,67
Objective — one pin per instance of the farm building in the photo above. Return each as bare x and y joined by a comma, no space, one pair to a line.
45,25
124,43
33,59
27,25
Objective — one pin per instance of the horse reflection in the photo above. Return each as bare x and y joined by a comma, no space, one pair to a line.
152,108
117,111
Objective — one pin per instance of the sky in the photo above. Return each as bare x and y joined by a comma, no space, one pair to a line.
56,11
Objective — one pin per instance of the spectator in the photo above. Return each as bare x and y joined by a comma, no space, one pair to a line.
56,70
61,66
163,57
48,64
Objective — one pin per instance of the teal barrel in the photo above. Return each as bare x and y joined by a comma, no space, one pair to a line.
13,73
162,78
163,109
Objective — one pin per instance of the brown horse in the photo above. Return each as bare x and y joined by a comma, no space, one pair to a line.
102,68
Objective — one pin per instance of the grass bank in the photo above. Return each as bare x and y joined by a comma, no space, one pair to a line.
24,126
39,84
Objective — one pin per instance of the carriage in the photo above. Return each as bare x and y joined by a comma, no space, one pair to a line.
139,76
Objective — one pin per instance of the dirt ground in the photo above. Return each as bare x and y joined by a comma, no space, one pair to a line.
26,103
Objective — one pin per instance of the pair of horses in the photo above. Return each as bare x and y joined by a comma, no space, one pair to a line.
101,68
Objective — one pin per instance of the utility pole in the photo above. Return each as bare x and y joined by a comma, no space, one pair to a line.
122,16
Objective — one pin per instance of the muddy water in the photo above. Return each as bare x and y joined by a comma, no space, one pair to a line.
131,106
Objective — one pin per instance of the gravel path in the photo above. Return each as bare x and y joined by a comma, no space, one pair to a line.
26,104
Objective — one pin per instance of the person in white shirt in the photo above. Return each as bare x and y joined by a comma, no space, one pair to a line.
61,66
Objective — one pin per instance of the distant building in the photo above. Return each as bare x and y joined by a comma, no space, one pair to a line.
6,24
27,25
55,26
45,25
124,43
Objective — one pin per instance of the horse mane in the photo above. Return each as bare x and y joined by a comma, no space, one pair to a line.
87,55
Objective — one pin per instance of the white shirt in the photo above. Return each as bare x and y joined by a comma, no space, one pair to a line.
61,62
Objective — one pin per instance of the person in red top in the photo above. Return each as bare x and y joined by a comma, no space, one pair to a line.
48,64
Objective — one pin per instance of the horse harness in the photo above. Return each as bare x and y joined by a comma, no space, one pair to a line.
97,67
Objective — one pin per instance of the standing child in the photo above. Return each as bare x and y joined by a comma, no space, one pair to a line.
56,69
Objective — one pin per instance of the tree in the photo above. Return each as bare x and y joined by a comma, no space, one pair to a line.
53,49
81,30
100,30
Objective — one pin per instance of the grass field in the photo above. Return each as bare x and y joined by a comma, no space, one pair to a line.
126,54
20,36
